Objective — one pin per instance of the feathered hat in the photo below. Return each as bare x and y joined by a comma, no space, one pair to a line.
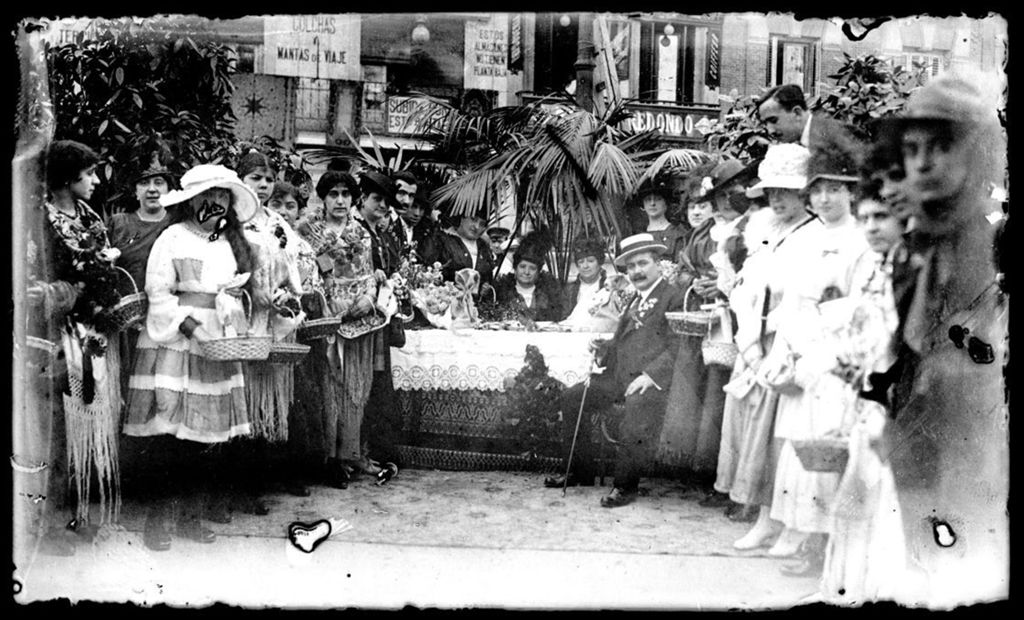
152,159
534,247
835,153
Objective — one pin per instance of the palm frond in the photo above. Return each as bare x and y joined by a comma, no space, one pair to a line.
370,161
673,160
612,169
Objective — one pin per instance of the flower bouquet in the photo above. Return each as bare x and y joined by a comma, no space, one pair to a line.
610,303
427,291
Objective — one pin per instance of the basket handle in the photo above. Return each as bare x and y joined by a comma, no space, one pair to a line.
686,297
135,286
248,317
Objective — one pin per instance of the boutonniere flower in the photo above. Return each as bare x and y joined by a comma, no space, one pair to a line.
646,306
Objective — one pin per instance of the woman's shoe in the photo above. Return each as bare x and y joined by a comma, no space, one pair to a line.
788,544
336,474
761,535
193,530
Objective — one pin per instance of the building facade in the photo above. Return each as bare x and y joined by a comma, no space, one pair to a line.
309,80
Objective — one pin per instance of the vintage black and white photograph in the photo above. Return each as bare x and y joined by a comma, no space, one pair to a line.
601,310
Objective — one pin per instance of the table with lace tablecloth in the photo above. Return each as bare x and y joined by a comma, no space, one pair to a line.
450,387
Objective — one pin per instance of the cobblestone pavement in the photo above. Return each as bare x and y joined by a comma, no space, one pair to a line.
439,539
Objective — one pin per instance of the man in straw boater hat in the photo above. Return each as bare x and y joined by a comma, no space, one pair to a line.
947,441
638,363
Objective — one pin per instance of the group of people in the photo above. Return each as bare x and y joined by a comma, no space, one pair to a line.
859,428
220,253
854,284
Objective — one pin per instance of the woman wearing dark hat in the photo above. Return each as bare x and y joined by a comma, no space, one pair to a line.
691,434
583,292
655,198
377,194
535,294
463,247
134,233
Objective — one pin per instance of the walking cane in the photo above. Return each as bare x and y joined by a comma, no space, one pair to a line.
572,448
579,416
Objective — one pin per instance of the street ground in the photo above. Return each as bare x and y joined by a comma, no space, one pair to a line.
439,539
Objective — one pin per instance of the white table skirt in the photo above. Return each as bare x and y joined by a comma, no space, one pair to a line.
440,359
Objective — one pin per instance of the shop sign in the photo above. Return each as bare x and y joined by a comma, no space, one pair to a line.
486,53
400,111
312,46
677,122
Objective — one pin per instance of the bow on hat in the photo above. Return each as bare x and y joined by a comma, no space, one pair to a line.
467,282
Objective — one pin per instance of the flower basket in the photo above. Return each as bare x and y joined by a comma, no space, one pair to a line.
237,348
824,454
287,352
691,322
719,353
360,327
318,329
129,310
719,349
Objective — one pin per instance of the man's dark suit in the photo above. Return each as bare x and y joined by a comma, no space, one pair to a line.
641,345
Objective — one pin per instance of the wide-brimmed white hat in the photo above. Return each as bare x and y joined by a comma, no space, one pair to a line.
643,242
784,166
207,176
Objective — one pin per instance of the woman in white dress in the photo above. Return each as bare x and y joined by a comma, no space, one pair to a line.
195,270
818,402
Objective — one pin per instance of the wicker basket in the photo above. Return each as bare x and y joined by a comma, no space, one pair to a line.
318,329
691,322
287,353
237,348
823,454
719,353
128,311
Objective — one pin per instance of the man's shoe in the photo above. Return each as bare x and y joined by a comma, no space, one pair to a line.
557,482
715,500
618,497
744,513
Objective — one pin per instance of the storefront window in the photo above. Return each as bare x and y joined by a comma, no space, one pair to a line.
555,52
793,61
679,62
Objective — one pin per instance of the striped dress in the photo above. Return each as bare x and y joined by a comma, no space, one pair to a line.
173,390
